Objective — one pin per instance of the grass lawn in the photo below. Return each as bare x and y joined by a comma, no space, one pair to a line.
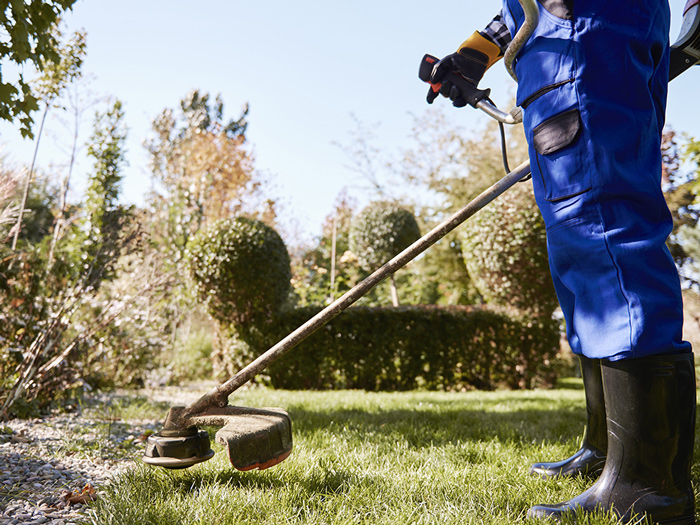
376,458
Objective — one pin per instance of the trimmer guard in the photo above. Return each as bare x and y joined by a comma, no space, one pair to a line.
256,438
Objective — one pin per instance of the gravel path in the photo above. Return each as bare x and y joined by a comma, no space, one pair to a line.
51,466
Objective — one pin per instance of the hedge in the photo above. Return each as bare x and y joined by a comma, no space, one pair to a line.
435,348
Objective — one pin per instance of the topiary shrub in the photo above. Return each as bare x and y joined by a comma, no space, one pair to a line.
381,231
505,251
241,270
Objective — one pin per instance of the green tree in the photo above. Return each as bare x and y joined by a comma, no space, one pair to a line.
381,231
125,286
28,37
444,168
56,310
451,166
203,171
103,215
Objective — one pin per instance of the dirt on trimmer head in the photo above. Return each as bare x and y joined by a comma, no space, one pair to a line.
253,438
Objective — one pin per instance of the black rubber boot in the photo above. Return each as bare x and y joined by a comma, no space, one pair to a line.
589,460
650,405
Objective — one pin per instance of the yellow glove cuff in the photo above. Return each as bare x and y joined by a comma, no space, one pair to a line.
482,44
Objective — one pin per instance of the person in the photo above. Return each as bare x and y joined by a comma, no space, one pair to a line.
592,83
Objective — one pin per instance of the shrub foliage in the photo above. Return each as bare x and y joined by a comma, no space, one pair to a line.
381,231
430,347
505,251
241,269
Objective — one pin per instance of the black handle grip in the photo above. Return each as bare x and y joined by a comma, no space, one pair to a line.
469,91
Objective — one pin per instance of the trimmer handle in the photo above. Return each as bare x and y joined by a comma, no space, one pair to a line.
478,98
685,51
470,92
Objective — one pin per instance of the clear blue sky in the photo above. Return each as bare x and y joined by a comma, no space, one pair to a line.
304,67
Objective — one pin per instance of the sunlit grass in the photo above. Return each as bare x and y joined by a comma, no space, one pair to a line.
375,458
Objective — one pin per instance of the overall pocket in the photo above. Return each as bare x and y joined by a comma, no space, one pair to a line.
560,160
552,115
557,150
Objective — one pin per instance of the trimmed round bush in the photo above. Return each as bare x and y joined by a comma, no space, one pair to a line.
241,270
381,231
505,251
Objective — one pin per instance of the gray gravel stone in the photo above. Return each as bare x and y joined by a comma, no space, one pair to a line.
43,462
46,460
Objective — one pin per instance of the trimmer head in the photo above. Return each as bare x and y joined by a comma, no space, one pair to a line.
176,449
253,438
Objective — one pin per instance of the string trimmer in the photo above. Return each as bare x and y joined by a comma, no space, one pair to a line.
262,437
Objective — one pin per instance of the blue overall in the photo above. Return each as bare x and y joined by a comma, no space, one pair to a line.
593,84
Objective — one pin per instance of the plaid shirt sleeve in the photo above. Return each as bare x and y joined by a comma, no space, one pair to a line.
497,32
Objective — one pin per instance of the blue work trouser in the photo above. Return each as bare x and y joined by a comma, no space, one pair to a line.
592,83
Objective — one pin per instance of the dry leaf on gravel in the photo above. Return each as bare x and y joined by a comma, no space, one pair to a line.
87,494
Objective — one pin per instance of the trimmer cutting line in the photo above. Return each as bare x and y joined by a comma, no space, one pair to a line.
262,437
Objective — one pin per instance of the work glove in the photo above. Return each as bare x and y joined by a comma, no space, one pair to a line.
471,61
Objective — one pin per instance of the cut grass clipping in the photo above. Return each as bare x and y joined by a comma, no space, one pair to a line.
376,458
